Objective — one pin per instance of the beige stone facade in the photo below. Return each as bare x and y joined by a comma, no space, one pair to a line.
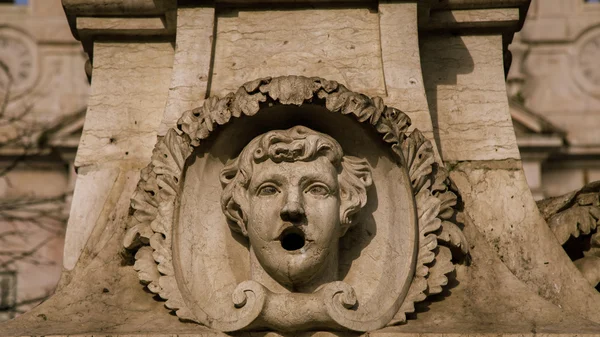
555,78
43,97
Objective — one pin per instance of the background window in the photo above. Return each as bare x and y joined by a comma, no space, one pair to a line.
8,294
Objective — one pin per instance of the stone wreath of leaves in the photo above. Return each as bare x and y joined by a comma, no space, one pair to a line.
149,233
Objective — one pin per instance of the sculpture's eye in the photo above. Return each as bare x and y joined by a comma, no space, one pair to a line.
267,190
318,190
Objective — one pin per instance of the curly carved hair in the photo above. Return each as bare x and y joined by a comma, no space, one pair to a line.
296,144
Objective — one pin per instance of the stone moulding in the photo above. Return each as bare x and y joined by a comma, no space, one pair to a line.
155,201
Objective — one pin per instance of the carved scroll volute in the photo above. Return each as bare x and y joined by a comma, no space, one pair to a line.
248,300
245,305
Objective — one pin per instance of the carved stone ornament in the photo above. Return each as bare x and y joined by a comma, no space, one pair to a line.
574,219
587,62
19,59
294,204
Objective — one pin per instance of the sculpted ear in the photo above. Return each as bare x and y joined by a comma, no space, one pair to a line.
355,178
234,201
234,211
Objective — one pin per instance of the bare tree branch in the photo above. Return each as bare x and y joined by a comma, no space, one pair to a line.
28,224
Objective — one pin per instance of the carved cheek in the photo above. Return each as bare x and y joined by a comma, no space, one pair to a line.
265,217
323,216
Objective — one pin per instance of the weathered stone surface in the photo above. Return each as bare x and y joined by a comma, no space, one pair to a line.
125,109
512,275
465,88
498,200
129,94
191,64
404,87
337,44
92,190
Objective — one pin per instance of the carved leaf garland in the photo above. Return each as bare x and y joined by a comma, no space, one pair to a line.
150,226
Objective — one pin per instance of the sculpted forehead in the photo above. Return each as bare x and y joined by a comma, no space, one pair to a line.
319,169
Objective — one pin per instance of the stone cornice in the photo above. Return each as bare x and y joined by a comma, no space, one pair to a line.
118,7
478,4
473,16
90,19
152,17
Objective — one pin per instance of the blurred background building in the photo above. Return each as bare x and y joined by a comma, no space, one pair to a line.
554,92
43,97
553,87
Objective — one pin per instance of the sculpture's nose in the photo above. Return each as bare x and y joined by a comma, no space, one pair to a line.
293,210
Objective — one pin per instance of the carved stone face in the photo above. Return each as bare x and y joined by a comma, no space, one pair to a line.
293,193
294,218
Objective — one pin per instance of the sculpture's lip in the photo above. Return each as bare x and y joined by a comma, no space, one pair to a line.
286,227
292,238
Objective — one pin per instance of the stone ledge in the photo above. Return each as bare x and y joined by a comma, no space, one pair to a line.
148,18
118,7
458,19
478,4
506,15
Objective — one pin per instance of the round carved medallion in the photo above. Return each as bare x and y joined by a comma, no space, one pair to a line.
219,254
587,71
18,58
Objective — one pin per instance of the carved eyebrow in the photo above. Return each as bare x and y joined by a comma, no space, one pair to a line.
274,178
315,177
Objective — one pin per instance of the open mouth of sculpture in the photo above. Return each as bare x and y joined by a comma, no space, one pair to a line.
292,238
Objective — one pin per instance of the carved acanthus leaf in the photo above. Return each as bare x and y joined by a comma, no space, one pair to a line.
577,214
439,269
